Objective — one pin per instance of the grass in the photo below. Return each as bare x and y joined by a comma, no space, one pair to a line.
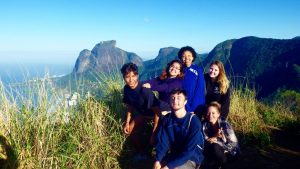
36,134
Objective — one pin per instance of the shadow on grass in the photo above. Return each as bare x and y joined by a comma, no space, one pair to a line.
128,152
8,157
281,151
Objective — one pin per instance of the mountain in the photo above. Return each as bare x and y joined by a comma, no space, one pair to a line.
267,64
153,68
105,57
264,63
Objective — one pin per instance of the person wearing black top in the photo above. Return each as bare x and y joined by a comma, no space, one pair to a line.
217,87
144,103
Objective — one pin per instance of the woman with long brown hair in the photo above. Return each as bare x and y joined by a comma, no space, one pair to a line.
217,87
169,79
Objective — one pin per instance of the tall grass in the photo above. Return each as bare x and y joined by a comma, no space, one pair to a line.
38,131
41,137
245,118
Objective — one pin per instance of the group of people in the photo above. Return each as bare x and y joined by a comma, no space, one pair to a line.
189,116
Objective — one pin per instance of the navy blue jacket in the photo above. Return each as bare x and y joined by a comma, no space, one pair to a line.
183,137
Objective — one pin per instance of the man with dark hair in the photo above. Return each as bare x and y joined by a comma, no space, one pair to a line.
144,103
179,134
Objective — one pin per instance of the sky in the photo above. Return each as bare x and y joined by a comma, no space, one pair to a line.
55,31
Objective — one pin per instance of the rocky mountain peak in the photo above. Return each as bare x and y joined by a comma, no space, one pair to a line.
105,58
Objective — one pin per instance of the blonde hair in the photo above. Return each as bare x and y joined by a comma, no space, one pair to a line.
222,79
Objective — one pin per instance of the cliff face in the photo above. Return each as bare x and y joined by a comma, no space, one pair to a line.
105,57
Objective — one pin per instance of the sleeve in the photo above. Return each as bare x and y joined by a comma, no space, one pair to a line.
194,138
125,96
157,85
231,139
225,104
199,95
204,131
150,98
162,145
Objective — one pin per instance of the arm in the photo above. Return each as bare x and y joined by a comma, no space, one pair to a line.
126,128
225,104
194,138
231,141
157,85
162,145
199,95
156,110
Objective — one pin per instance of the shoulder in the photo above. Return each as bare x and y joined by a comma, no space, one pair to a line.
166,119
146,91
205,125
195,122
198,68
225,124
126,90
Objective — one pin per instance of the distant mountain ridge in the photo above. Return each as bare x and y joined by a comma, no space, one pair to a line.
267,64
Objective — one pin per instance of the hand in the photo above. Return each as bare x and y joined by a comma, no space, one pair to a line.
221,135
126,129
146,85
212,140
165,167
157,165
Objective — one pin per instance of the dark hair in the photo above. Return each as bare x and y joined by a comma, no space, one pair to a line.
187,48
179,91
129,67
166,74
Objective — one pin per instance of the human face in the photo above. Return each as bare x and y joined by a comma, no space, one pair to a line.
212,114
174,70
214,71
178,101
131,79
187,58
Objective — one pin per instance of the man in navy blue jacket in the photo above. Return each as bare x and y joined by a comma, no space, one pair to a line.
179,132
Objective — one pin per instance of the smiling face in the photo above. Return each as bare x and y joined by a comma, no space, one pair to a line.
212,114
187,58
177,101
174,70
214,71
131,79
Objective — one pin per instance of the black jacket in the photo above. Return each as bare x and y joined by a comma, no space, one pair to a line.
213,94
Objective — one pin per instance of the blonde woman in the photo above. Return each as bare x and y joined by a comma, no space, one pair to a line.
217,87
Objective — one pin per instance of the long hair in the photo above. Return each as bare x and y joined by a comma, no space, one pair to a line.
166,72
222,79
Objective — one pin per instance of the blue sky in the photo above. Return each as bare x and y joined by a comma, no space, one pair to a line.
55,31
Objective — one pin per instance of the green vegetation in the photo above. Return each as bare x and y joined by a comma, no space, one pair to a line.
89,135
